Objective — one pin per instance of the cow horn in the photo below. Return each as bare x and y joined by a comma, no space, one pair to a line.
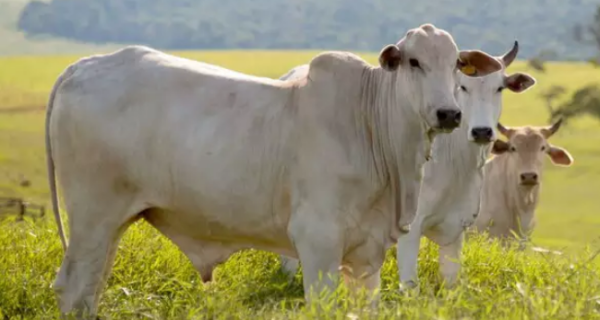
505,131
550,130
510,56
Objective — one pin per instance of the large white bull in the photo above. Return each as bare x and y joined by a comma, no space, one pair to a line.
325,168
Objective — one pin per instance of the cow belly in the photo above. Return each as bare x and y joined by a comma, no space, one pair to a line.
210,243
229,194
215,221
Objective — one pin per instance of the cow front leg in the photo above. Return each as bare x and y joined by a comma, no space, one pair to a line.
410,199
407,255
318,243
449,260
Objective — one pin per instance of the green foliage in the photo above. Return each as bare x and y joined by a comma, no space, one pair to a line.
364,25
584,101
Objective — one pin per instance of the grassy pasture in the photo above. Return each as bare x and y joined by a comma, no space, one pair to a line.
153,280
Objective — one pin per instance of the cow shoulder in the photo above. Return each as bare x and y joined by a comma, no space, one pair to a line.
296,73
335,62
335,72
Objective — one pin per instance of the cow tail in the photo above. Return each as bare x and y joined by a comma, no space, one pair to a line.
50,161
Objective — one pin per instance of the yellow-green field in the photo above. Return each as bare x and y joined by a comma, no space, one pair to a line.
160,283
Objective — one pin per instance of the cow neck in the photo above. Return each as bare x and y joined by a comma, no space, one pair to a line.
458,155
393,133
391,125
520,201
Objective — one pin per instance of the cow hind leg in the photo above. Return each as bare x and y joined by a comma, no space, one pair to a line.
368,285
96,227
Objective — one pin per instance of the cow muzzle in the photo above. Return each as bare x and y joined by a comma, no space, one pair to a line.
482,135
529,179
448,119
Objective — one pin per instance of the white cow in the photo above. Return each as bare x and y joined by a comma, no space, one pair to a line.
513,180
450,192
324,168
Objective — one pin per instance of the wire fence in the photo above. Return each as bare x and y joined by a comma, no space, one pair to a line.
20,207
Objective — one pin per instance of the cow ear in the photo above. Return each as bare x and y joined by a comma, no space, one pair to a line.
519,82
477,63
560,156
499,147
390,57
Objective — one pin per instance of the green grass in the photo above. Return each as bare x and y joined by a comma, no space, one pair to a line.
153,280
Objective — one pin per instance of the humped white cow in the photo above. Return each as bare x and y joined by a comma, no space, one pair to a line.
325,168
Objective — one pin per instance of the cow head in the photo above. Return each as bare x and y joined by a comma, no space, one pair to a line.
526,148
481,98
426,61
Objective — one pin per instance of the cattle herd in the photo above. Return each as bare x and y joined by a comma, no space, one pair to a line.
328,166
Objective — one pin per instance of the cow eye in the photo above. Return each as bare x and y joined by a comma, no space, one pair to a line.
500,89
512,149
543,148
414,63
463,88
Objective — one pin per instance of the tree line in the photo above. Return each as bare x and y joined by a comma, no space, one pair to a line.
360,25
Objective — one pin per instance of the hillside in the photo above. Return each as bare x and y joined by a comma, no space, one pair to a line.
16,42
364,25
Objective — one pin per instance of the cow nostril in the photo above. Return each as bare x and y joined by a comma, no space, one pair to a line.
489,132
530,176
483,133
442,115
458,116
448,118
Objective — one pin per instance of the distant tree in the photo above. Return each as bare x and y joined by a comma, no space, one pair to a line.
589,34
537,62
585,101
550,95
357,25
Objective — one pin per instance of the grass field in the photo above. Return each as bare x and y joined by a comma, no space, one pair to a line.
153,280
